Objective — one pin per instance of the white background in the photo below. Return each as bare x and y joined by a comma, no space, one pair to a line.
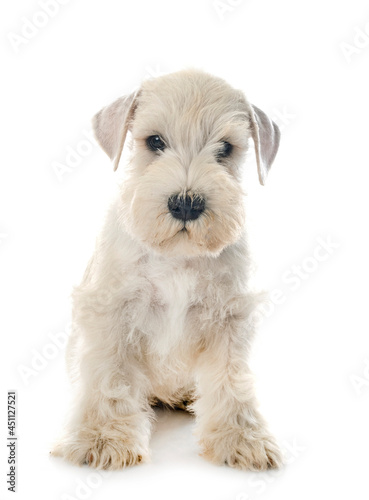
311,357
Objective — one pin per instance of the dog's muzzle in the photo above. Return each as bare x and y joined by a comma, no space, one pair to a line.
187,207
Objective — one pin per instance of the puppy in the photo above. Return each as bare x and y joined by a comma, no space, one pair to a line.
165,311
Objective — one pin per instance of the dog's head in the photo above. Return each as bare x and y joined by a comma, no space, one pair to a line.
182,194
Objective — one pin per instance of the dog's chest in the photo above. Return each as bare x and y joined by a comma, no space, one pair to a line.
170,289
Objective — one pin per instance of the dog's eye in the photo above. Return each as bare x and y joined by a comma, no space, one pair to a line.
225,150
155,143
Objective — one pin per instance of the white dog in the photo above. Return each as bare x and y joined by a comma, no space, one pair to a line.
164,312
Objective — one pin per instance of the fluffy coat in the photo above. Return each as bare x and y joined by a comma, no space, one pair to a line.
165,309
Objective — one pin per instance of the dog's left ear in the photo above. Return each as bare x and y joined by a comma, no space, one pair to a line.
266,136
111,125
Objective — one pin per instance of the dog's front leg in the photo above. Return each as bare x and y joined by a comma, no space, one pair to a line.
110,424
230,428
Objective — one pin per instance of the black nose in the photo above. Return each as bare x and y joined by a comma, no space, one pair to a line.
186,207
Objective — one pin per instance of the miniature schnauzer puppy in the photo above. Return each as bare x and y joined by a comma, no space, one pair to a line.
165,310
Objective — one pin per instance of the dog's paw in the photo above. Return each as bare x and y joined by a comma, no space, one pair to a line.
242,450
99,450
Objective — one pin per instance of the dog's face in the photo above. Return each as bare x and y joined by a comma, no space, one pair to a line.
182,194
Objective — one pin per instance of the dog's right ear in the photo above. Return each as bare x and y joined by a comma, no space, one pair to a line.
111,125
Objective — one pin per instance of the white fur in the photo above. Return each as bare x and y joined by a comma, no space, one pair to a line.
164,314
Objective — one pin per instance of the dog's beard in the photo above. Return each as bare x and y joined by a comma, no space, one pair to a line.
146,216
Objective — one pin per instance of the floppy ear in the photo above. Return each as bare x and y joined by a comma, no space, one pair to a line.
266,136
111,125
